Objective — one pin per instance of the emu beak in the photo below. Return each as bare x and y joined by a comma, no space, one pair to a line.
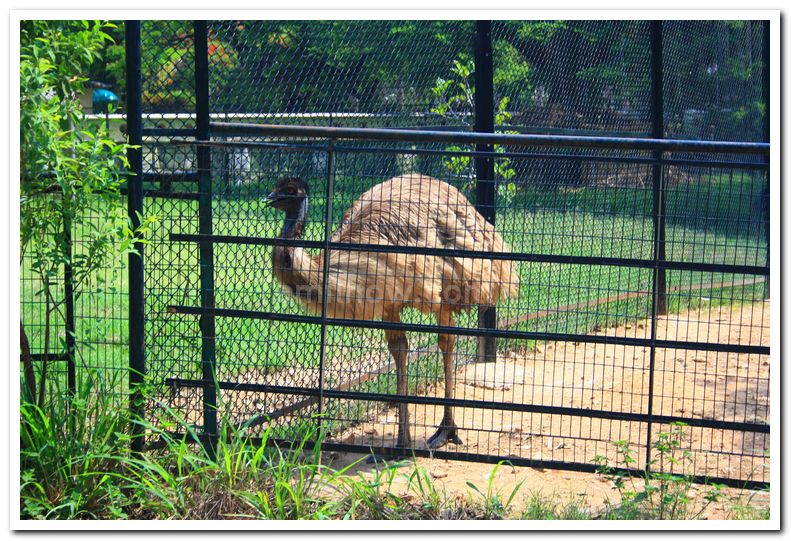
271,198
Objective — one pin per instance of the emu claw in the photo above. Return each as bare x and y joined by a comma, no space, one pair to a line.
443,435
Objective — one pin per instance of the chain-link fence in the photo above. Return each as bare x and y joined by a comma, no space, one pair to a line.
641,285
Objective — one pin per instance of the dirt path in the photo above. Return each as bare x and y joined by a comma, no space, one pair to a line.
698,384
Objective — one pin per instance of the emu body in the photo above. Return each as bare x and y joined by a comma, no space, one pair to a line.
411,210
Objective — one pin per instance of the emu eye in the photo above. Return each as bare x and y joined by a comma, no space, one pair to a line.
291,191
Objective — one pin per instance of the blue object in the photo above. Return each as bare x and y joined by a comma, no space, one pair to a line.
101,98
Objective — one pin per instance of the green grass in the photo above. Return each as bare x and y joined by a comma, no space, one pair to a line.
594,221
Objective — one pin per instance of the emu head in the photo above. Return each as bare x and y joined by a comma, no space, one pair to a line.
289,195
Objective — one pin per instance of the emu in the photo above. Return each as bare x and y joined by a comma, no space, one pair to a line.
411,210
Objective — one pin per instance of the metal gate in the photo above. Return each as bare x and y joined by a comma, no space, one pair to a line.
642,263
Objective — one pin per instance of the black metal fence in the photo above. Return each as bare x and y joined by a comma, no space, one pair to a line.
619,161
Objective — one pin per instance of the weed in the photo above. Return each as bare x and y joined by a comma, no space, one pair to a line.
432,501
68,455
658,494
494,504
754,506
540,507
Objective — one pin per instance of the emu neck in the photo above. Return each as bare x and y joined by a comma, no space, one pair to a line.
285,259
294,224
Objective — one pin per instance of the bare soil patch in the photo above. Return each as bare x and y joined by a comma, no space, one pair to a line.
687,383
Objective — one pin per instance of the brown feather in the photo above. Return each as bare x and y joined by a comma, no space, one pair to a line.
410,210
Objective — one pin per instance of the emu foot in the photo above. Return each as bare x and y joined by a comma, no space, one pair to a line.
443,435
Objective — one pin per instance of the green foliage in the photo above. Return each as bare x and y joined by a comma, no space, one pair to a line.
431,499
659,494
513,73
540,507
716,70
110,67
68,457
455,100
168,63
494,504
540,30
71,172
299,63
371,499
454,97
76,464
393,66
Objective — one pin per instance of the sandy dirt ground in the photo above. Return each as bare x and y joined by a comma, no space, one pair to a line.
687,383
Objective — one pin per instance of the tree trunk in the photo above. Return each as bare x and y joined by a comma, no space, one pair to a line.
45,361
27,362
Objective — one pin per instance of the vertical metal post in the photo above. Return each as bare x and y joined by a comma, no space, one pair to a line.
134,121
484,166
329,193
658,132
68,285
658,285
68,290
206,249
766,131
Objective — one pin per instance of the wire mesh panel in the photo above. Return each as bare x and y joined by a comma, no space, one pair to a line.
713,80
43,313
362,73
76,328
381,351
574,76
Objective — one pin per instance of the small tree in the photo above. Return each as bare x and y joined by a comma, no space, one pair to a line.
454,98
70,170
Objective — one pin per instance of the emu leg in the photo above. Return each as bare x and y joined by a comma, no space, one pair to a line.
399,348
447,431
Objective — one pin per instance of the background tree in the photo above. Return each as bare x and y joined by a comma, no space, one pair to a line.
558,75
70,170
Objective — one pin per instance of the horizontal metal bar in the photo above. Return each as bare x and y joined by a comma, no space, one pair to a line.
156,179
302,147
441,454
763,165
549,130
477,404
474,254
542,156
518,461
164,177
469,331
52,357
754,166
473,138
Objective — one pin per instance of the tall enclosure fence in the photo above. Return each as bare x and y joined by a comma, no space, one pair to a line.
621,162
